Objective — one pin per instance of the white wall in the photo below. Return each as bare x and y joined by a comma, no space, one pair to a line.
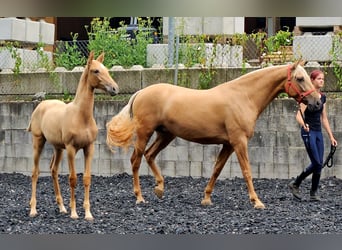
205,25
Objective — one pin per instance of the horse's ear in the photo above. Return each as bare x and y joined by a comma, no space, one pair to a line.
100,58
300,62
90,58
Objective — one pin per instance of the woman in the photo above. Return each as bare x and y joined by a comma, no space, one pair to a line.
311,132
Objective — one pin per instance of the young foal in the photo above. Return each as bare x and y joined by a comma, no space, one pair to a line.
72,127
225,114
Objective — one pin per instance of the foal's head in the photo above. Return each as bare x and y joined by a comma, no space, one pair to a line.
300,87
98,76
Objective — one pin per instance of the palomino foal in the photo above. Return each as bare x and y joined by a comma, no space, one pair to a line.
72,127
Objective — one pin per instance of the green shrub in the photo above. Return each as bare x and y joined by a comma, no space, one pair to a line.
69,56
118,47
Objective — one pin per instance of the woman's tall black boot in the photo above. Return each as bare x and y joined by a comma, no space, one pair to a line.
314,187
294,185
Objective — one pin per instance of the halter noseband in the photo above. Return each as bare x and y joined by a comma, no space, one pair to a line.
289,84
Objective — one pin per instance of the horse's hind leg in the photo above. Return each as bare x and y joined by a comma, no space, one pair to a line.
163,139
55,161
139,149
226,151
38,145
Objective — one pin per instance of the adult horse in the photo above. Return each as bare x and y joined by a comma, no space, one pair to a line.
225,114
72,127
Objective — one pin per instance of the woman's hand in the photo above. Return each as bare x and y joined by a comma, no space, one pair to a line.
306,127
333,141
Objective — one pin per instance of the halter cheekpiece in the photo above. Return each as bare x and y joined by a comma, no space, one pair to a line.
289,85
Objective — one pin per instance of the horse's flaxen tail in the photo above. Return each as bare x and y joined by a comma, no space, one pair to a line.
121,128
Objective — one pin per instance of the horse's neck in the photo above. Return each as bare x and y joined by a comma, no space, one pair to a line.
84,98
263,86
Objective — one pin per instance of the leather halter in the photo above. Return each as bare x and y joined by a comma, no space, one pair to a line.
300,95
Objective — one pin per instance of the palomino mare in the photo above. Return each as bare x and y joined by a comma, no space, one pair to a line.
72,127
225,114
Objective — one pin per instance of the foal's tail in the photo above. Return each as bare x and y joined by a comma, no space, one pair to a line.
121,129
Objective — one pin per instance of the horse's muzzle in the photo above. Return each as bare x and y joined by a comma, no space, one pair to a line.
112,90
315,105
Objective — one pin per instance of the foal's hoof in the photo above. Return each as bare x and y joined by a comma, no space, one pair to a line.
89,218
206,202
63,211
139,201
74,216
33,214
259,205
159,192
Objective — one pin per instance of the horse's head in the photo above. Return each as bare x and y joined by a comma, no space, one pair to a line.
98,75
300,87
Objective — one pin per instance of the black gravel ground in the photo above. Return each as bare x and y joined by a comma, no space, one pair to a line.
179,212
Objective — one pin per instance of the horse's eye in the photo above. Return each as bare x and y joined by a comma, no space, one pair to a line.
300,79
96,71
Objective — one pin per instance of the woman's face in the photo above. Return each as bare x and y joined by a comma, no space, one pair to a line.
318,82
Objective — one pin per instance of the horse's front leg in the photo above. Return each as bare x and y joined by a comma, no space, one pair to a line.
225,152
88,156
242,155
55,161
71,152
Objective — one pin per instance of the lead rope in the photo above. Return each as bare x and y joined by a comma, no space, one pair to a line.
329,162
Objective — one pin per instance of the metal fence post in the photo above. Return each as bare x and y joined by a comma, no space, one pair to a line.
171,41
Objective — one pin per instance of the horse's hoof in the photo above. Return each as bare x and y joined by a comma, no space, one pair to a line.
63,211
259,206
74,216
89,218
33,214
159,192
139,201
206,202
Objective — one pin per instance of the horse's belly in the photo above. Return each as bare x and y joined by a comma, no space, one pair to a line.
204,135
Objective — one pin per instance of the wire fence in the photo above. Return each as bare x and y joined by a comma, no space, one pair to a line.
323,49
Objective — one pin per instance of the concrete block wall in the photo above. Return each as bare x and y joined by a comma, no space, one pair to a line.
129,80
275,150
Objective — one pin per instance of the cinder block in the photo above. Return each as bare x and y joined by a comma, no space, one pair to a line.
225,173
266,171
195,152
207,169
281,171
210,153
46,32
169,154
182,153
12,29
22,164
280,155
143,170
129,80
182,168
195,169
31,31
168,168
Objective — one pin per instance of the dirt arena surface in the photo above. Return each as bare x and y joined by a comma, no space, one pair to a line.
179,212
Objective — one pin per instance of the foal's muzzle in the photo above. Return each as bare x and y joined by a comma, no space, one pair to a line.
112,90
